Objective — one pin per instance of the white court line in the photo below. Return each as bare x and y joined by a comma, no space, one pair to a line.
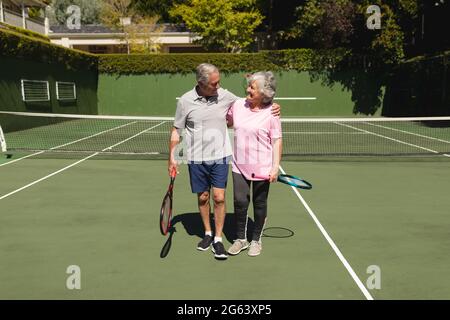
412,133
46,177
66,144
392,139
332,244
132,137
74,164
94,135
21,158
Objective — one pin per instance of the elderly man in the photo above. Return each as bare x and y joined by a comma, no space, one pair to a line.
202,113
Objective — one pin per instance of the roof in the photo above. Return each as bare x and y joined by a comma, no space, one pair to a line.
101,29
27,3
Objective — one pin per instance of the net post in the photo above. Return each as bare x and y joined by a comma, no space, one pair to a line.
22,89
2,141
57,90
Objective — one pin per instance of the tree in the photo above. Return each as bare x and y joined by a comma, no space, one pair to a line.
370,50
114,15
224,25
156,8
141,35
325,24
332,23
90,11
114,11
138,31
277,14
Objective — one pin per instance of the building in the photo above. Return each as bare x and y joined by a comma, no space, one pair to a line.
101,39
93,38
15,13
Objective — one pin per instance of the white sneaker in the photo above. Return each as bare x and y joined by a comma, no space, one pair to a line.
238,246
255,248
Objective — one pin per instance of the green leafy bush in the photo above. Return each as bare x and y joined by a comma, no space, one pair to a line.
25,32
298,59
14,44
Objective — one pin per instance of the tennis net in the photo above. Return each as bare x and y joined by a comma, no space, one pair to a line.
302,137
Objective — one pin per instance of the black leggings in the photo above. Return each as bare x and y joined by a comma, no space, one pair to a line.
260,192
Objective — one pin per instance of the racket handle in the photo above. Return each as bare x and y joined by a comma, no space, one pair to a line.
173,173
260,177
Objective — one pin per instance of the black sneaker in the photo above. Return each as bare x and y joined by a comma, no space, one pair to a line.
205,243
219,251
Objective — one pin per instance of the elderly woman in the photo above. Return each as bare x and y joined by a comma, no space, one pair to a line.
256,157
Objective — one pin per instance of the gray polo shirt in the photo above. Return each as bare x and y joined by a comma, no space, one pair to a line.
204,121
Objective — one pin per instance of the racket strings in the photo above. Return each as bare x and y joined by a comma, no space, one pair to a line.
292,180
165,215
166,211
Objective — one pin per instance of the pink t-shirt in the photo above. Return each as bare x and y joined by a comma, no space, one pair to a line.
254,132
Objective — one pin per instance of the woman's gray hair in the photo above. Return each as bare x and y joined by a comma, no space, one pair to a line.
267,86
203,72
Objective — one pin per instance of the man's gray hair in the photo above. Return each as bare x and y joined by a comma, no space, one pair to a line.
203,72
267,86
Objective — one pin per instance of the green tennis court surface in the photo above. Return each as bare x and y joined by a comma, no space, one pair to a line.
102,215
375,225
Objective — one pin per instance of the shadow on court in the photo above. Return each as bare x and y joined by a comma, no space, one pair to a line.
193,225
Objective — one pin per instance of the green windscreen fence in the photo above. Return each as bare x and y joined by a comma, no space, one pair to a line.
27,85
419,88
299,94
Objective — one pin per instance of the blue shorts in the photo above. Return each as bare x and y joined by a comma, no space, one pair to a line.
205,174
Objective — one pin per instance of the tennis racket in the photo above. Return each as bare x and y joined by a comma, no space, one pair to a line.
165,216
289,180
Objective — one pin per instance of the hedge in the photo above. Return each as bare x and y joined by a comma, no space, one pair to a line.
14,44
444,56
24,32
424,64
297,59
20,45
